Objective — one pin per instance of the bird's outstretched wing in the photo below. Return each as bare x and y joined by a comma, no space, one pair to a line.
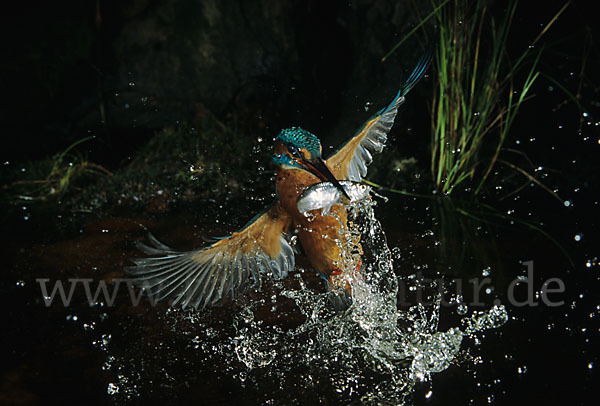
350,161
201,278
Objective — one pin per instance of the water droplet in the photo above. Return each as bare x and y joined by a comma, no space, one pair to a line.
112,389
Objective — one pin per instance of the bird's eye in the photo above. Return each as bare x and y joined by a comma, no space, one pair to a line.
293,150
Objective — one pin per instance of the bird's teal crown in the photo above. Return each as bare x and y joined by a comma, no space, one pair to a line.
300,138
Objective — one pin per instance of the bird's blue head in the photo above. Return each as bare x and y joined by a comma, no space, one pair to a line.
294,145
296,148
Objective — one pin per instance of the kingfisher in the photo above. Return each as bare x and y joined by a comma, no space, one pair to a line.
265,246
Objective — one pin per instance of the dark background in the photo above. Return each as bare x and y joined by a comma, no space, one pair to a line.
150,64
122,70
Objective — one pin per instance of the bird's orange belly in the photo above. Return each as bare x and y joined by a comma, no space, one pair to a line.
326,240
329,244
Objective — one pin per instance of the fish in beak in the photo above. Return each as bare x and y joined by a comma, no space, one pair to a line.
321,171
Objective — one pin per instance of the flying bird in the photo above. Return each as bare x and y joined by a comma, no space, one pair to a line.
202,277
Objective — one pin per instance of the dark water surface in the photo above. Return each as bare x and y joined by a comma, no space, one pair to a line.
103,354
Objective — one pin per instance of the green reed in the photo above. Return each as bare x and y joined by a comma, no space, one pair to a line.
52,177
477,97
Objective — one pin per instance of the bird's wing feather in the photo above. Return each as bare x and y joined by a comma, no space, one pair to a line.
202,277
350,161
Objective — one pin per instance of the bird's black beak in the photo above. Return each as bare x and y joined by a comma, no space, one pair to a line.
321,171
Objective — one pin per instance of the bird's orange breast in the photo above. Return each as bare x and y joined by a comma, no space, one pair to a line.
320,235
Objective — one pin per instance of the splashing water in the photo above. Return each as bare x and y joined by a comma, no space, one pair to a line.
367,336
370,352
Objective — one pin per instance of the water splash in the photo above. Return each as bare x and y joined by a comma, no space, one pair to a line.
367,338
371,352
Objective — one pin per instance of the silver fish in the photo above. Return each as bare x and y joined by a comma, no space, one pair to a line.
324,195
